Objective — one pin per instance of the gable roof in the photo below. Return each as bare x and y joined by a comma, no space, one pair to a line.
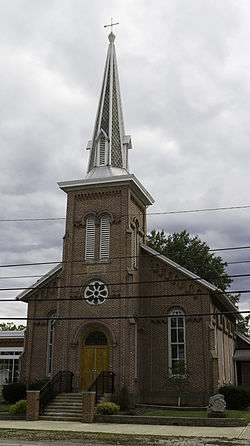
220,296
36,284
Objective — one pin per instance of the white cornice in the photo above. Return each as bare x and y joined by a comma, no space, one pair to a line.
68,186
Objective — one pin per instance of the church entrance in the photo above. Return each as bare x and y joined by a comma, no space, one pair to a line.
94,358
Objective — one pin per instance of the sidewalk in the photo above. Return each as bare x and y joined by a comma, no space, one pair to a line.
129,429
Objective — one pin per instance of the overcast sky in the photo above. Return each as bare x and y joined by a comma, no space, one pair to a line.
184,74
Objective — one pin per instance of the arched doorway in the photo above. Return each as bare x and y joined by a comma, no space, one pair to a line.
94,357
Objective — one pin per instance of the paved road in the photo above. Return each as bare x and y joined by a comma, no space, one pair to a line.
169,442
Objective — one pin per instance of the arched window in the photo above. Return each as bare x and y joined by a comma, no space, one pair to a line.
90,238
176,342
50,344
104,237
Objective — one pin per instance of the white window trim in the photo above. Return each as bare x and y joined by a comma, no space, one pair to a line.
172,313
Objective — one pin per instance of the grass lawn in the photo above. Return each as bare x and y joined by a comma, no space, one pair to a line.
195,413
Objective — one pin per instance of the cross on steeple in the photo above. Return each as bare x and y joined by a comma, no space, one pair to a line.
111,25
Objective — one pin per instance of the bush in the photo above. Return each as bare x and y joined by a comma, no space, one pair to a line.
236,397
19,408
107,408
14,392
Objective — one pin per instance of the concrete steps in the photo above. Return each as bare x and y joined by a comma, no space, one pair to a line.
65,407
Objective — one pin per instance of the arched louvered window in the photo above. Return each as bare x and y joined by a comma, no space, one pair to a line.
176,342
104,237
90,238
50,344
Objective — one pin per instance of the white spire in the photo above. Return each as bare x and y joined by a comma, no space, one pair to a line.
109,146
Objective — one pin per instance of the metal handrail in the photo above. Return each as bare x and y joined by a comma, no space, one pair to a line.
61,382
104,383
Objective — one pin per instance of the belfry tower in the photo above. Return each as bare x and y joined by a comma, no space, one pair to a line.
106,221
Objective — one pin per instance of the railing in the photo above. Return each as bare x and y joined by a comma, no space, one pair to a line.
61,382
104,383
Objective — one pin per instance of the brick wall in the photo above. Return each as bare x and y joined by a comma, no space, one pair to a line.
138,350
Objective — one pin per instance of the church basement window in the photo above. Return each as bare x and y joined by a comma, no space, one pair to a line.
176,342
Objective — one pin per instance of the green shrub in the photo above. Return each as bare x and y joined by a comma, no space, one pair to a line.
14,392
19,408
107,408
236,397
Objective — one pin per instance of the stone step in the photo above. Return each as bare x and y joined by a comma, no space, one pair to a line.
59,418
66,401
62,413
63,409
66,404
70,394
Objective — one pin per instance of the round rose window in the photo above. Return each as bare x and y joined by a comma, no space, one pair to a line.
96,292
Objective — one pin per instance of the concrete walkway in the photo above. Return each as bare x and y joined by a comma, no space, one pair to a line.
135,429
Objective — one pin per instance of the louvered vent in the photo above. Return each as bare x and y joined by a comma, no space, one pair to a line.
134,247
90,239
102,151
104,237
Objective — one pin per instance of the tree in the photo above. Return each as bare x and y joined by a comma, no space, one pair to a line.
194,254
10,326
243,326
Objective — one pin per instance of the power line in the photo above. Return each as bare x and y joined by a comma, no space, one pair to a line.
138,282
119,297
183,211
133,316
111,271
53,262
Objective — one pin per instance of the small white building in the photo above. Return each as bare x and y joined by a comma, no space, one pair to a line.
11,349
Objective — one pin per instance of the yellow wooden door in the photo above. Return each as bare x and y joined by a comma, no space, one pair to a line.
94,360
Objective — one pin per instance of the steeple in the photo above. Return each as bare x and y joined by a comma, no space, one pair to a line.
109,146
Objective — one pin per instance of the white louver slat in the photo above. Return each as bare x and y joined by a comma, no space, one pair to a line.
90,239
104,237
102,149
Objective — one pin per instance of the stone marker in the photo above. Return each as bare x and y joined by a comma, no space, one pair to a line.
216,406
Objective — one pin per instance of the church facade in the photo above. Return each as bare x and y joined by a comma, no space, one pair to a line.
115,305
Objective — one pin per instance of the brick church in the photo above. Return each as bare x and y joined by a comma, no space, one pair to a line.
115,306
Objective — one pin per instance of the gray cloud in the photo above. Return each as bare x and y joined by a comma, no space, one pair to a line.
184,72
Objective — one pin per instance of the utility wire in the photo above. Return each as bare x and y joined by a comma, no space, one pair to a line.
116,297
59,287
53,262
139,282
133,316
184,211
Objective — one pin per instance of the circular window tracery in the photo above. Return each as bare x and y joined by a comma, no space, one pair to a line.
96,292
